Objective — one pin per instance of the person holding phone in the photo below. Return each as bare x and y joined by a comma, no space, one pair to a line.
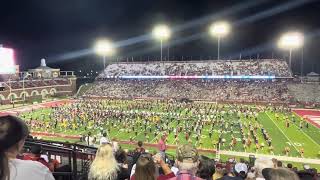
147,168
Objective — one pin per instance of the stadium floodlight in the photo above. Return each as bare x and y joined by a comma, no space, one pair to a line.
291,41
104,48
219,29
162,33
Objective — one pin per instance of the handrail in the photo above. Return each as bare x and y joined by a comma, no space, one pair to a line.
72,151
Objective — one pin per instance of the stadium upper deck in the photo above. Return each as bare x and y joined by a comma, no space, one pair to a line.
263,67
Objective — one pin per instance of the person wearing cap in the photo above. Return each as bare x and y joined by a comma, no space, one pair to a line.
187,162
104,139
240,172
13,132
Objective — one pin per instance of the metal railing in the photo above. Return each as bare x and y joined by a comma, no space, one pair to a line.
75,156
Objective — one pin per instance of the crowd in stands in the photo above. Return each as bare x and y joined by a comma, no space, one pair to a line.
305,92
274,67
231,90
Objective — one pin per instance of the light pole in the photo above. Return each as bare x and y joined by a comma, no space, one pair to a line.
104,48
291,41
10,89
219,30
23,89
162,33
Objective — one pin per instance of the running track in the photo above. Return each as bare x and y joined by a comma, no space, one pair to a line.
28,108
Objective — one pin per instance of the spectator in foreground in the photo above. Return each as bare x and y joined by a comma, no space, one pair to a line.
260,164
121,157
206,168
187,162
307,173
279,174
219,171
147,168
35,155
104,166
279,164
104,139
140,148
13,132
240,172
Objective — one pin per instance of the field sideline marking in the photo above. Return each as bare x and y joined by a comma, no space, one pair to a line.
305,133
282,132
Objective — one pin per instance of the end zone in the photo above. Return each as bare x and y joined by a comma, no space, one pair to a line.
310,115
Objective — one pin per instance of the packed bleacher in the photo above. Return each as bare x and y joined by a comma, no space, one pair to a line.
305,92
274,67
110,83
231,90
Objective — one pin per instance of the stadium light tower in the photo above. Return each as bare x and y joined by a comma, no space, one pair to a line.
291,41
219,29
104,48
162,33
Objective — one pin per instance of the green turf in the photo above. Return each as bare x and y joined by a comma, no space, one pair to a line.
297,138
292,137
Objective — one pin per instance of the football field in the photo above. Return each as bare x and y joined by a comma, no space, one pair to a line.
164,119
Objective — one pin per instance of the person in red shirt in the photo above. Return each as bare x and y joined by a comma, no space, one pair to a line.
35,155
162,146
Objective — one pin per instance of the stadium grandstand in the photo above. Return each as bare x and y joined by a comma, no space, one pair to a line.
243,81
218,106
260,67
89,115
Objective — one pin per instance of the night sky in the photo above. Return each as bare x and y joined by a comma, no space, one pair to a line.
59,30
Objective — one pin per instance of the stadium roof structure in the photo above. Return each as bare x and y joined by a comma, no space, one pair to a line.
44,71
43,67
313,74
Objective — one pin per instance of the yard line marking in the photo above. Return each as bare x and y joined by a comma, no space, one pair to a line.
282,132
154,138
142,132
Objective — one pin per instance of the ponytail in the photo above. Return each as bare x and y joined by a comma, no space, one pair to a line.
4,166
12,130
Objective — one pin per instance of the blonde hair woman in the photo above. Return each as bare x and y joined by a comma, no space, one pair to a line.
104,166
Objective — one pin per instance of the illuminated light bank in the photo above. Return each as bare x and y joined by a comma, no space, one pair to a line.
7,65
195,77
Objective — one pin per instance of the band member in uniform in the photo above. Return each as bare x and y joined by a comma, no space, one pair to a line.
287,150
302,152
